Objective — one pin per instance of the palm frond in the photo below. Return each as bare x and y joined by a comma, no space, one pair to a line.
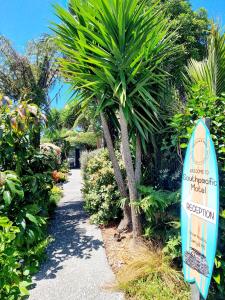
115,50
210,71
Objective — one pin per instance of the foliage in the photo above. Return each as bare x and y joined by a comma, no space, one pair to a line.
16,266
28,76
70,117
210,71
24,197
55,196
18,126
203,103
197,107
55,122
193,30
11,271
70,114
53,152
150,276
10,189
86,156
87,140
121,53
59,176
218,286
100,191
68,127
160,208
64,167
163,168
172,249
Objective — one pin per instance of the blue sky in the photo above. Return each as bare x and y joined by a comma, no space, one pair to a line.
23,20
216,8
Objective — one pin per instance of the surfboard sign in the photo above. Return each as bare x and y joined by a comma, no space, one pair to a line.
200,209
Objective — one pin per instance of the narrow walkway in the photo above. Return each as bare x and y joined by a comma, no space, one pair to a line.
77,267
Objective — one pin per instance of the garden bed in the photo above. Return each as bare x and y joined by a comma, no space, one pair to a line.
143,273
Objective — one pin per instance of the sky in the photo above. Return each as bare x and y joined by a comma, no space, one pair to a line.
215,8
24,20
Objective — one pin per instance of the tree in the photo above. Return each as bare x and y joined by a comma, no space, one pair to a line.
114,51
75,115
30,76
211,70
193,29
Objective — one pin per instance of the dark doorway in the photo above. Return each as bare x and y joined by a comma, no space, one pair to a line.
77,158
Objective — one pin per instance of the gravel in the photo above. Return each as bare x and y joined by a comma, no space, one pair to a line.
77,267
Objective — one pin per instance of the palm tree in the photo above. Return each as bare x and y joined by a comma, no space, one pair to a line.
30,76
114,52
211,70
74,115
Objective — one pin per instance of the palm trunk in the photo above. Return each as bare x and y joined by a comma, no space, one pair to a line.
138,160
130,175
126,221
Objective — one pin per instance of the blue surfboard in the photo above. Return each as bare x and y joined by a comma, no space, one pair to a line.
200,209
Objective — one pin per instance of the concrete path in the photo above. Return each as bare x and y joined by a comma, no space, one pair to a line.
77,267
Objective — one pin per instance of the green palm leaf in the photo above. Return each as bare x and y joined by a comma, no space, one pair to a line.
115,50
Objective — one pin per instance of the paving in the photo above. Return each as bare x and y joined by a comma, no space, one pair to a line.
77,267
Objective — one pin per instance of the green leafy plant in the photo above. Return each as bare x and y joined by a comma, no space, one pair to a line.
160,208
12,282
55,196
100,191
10,190
122,53
25,198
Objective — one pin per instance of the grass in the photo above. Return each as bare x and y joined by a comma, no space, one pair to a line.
149,276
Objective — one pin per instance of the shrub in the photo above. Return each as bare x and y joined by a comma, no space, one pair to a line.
11,285
64,167
24,198
59,176
16,264
160,208
87,139
53,151
55,196
101,195
23,233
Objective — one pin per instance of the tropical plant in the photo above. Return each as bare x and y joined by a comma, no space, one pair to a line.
53,152
29,76
11,286
161,211
59,176
18,127
84,139
24,197
211,70
117,59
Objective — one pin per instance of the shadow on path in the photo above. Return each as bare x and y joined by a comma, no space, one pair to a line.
70,240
